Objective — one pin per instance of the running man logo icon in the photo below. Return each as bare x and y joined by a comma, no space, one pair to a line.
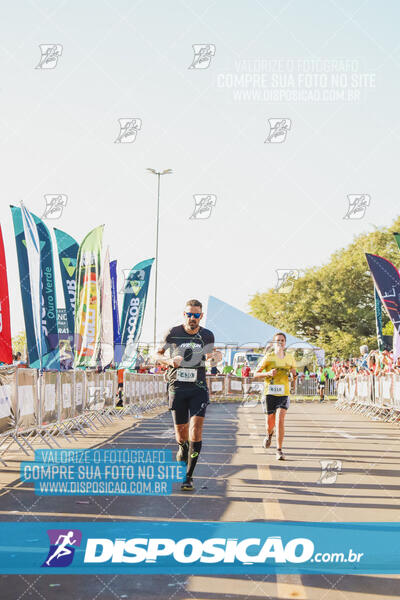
286,278
55,204
329,471
62,547
128,129
50,54
203,205
203,54
133,286
358,204
278,129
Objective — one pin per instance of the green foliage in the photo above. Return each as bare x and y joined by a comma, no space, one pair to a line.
332,306
388,328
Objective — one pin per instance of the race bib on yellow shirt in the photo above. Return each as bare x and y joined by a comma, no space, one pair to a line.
276,390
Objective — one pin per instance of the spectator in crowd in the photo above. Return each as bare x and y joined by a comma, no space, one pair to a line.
227,369
246,370
321,383
213,365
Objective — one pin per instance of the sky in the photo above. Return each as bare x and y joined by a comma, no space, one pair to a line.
327,72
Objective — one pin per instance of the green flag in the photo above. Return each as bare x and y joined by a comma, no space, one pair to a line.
87,301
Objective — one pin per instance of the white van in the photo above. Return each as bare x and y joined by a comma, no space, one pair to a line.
250,358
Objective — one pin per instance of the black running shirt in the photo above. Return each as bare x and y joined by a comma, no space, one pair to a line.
193,348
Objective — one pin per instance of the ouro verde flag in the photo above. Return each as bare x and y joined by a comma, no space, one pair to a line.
88,300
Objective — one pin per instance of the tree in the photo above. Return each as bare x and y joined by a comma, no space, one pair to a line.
332,306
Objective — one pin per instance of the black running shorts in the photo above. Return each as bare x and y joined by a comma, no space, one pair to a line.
272,403
187,403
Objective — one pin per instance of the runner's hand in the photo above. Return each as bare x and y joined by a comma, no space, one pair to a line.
272,372
176,361
215,355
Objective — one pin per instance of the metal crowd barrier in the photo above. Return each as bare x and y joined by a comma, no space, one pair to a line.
230,386
376,397
143,393
45,406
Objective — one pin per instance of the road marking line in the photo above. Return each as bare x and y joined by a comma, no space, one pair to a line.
292,586
342,433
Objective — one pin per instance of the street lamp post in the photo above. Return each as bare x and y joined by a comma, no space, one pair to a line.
158,173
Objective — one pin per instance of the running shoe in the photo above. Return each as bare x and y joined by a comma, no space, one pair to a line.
183,453
267,440
187,485
280,455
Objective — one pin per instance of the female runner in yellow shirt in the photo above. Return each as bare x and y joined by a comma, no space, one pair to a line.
275,368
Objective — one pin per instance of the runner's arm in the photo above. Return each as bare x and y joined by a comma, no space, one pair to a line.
216,354
259,371
160,357
209,351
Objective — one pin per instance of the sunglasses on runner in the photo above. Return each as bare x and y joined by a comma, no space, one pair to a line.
195,315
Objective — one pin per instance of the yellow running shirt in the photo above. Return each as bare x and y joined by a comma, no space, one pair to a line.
278,385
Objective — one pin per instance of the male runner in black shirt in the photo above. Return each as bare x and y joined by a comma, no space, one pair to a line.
189,345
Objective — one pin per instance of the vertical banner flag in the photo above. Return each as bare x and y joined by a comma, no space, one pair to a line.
134,305
32,245
24,279
51,349
378,320
114,295
387,282
67,254
396,344
106,336
5,328
87,306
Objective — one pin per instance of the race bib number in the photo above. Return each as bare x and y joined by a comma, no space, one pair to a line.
186,375
278,390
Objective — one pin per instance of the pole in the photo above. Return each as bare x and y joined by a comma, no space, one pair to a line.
156,282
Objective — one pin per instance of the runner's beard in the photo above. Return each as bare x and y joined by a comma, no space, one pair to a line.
192,324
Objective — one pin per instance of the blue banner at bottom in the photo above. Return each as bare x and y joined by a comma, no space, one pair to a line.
199,547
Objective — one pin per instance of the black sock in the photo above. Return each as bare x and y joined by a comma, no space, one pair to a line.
194,451
184,447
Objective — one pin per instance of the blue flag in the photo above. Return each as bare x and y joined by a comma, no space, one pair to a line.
134,305
387,282
51,354
115,311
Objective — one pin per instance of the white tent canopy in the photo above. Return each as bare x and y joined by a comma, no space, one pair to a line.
234,327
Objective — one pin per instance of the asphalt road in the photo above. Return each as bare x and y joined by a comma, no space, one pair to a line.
237,480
